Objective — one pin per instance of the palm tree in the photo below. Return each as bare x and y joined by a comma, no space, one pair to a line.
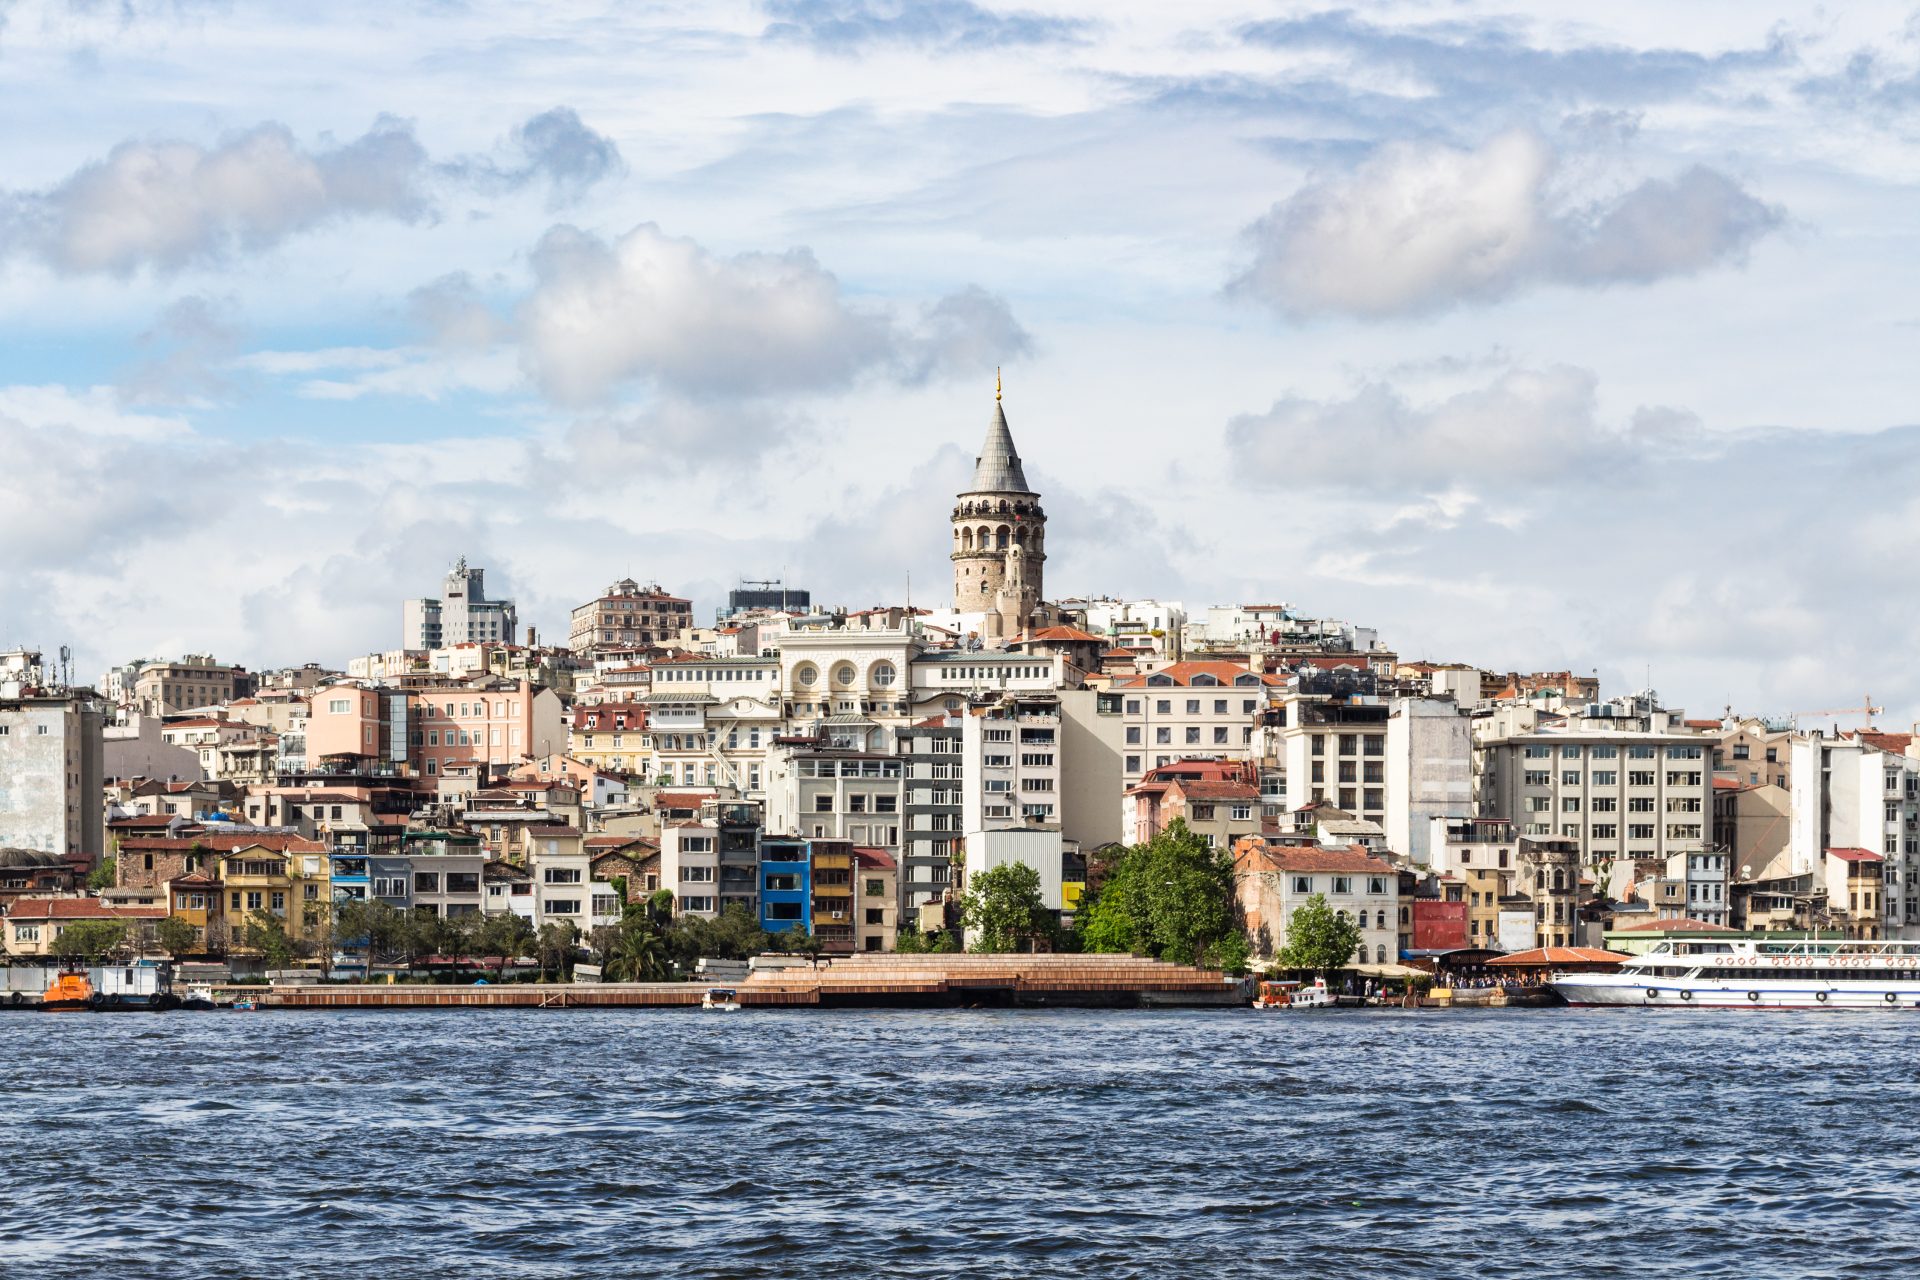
637,954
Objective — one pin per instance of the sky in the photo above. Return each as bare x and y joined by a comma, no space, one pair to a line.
1542,337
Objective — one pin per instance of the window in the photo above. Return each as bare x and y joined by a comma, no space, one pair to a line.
1605,831
1242,813
1640,777
1303,884
1133,735
823,803
1343,884
1378,884
1640,831
1640,753
1133,764
1605,804
339,706
1193,706
1163,706
1570,778
571,906
1193,736
1163,737
1220,736
1537,752
1606,777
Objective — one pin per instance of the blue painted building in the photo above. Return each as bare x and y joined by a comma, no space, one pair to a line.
786,883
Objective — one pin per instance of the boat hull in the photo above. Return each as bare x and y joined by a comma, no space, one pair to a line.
1639,991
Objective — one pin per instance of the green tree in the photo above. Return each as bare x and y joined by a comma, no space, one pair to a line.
1320,938
177,936
382,932
506,936
1003,910
553,947
103,876
267,934
633,951
1171,898
90,939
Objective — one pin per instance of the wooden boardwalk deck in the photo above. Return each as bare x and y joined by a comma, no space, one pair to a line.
848,981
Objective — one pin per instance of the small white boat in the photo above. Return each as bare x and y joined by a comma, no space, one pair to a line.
721,1000
1294,995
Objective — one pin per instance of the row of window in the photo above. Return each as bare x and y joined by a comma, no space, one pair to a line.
1571,751
1164,706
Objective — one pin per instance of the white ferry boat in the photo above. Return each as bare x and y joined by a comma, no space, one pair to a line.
1757,975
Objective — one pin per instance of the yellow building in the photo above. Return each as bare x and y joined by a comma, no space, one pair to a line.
611,736
292,883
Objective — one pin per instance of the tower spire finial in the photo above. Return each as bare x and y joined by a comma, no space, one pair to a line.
996,382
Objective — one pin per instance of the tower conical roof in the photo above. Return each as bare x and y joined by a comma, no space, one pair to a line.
997,469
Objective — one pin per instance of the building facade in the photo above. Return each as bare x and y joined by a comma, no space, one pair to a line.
460,614
999,538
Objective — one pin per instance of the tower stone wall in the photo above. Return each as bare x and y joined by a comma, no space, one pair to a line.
999,537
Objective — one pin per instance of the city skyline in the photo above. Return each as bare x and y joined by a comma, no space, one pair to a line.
356,325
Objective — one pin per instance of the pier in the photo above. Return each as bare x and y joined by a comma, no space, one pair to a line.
860,981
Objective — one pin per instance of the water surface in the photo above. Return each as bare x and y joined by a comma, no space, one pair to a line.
610,1143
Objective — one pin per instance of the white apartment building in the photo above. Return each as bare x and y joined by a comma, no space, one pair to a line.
1010,763
460,614
1190,710
1860,791
690,867
832,793
1624,780
52,761
1253,625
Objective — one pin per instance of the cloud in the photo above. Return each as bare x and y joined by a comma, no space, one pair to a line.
167,205
451,312
188,343
848,26
554,147
662,309
1419,227
1470,59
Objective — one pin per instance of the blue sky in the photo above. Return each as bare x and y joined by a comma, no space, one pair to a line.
1557,337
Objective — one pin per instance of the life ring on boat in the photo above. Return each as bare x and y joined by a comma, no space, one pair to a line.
1686,995
1821,996
1652,992
1892,998
1754,996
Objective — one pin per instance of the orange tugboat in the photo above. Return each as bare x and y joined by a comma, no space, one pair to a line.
70,992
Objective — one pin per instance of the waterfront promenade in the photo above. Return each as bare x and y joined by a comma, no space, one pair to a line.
937,981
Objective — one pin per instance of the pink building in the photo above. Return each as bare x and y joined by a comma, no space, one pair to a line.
479,728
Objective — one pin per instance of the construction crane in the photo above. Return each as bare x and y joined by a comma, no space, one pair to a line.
1866,710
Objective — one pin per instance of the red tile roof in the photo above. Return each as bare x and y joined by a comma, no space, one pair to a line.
1560,955
146,820
1855,855
878,859
1061,635
1214,789
1182,674
1249,852
1895,743
683,799
78,909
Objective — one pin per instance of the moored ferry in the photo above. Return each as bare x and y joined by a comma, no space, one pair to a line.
1757,975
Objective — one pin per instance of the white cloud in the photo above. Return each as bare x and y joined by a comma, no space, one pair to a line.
1424,226
663,309
171,204
1527,427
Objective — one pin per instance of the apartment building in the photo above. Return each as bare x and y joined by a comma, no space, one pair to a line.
1011,763
1189,710
1861,791
1272,881
460,614
167,688
836,793
935,771
52,761
628,616
1483,856
1625,781
1751,752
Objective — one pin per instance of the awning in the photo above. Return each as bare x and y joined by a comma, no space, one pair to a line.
1388,971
